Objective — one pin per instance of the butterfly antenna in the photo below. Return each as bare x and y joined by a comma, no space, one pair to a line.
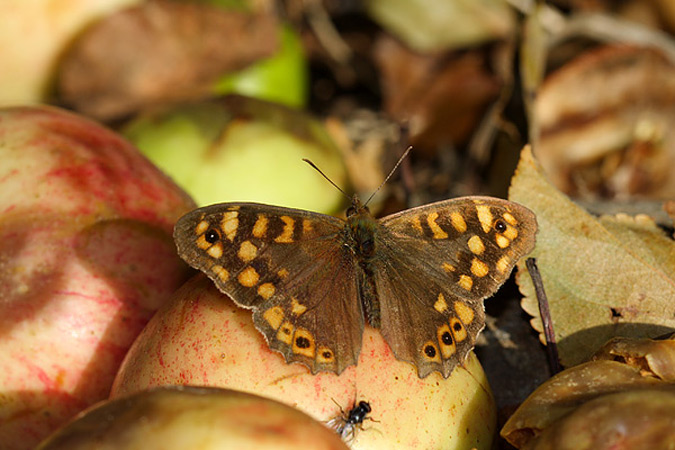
326,177
398,163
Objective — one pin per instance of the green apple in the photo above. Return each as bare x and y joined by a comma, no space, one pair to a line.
241,149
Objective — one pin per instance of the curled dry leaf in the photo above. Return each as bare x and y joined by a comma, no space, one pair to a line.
160,52
607,122
570,389
604,277
652,357
610,422
441,96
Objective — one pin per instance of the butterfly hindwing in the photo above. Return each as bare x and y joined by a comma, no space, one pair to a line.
438,262
282,263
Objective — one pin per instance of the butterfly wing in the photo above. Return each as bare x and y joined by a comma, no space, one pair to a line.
284,265
438,262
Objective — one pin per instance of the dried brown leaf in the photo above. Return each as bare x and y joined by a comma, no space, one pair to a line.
441,96
604,277
159,52
606,122
568,390
653,357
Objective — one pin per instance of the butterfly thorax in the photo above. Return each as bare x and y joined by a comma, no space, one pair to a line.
360,240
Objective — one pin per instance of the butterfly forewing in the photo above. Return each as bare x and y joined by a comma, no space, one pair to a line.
282,263
436,264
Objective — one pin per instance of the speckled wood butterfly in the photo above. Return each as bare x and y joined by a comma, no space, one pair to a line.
313,280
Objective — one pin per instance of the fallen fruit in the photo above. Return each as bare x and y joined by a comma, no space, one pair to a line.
180,417
86,257
202,338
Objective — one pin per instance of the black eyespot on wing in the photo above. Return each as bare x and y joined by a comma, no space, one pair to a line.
212,236
446,338
500,226
430,351
302,342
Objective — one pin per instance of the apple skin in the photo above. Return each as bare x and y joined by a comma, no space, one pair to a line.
86,257
34,39
180,417
202,338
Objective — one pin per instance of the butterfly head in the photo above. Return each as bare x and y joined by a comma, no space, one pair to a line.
357,208
361,229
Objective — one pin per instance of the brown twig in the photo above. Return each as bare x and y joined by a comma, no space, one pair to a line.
545,313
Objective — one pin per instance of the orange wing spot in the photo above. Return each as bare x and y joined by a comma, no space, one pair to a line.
283,273
458,329
510,219
457,221
511,233
479,268
286,236
260,226
248,277
285,333
201,227
465,282
229,224
216,250
324,355
439,233
441,305
307,228
502,241
449,268
303,343
430,352
296,307
464,312
476,245
446,341
266,290
247,251
484,217
503,263
220,272
417,224
274,316
202,243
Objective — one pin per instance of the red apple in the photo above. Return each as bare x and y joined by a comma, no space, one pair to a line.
202,418
202,338
86,257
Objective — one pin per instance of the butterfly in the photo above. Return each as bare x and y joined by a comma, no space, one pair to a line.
313,280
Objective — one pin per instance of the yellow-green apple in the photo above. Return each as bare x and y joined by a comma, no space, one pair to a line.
86,257
243,149
188,417
202,338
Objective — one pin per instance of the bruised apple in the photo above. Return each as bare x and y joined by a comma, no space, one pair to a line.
86,257
184,417
202,338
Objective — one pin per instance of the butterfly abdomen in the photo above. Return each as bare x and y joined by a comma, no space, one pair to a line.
361,230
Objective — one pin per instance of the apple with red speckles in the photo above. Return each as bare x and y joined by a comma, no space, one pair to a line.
205,418
86,257
202,338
